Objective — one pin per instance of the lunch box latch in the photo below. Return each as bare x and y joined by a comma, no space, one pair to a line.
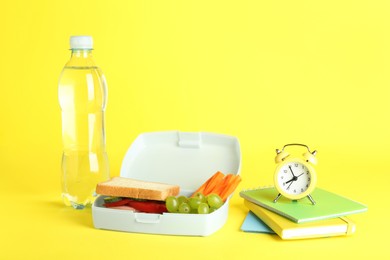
147,218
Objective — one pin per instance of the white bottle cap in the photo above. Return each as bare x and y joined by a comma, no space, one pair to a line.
81,42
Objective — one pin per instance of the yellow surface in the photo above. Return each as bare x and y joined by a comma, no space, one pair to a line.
268,72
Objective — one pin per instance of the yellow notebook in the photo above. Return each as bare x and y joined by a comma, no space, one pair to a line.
287,229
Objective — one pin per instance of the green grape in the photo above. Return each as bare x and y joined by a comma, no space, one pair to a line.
201,197
214,201
194,203
203,208
184,208
182,199
211,210
172,204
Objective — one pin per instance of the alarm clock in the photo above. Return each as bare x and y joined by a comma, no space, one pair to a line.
295,177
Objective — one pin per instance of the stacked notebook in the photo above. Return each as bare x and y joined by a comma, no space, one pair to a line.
299,219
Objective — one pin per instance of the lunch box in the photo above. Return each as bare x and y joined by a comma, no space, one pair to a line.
186,159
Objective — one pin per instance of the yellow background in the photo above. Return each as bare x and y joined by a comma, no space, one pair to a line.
268,72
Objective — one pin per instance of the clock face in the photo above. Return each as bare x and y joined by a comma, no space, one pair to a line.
294,178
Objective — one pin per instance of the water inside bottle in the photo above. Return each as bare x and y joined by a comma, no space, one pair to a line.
82,96
82,170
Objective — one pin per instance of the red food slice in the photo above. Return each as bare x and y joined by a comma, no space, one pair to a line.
116,203
125,207
148,206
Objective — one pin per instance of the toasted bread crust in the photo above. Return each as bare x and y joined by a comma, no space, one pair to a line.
131,188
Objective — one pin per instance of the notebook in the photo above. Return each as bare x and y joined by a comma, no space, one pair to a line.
328,205
254,224
287,229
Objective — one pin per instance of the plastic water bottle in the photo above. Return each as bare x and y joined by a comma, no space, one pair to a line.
82,93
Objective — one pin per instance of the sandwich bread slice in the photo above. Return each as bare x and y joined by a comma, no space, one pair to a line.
137,189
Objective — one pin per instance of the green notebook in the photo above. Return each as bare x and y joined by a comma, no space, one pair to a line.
328,205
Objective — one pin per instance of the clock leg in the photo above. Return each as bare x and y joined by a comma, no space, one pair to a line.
277,197
311,199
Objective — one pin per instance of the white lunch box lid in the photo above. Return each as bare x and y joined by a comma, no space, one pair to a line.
186,159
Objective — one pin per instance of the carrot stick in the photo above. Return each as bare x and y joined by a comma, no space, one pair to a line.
232,186
221,187
214,182
220,184
204,185
201,188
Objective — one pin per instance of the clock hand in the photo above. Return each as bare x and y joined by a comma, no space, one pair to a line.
300,175
291,170
289,185
293,179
